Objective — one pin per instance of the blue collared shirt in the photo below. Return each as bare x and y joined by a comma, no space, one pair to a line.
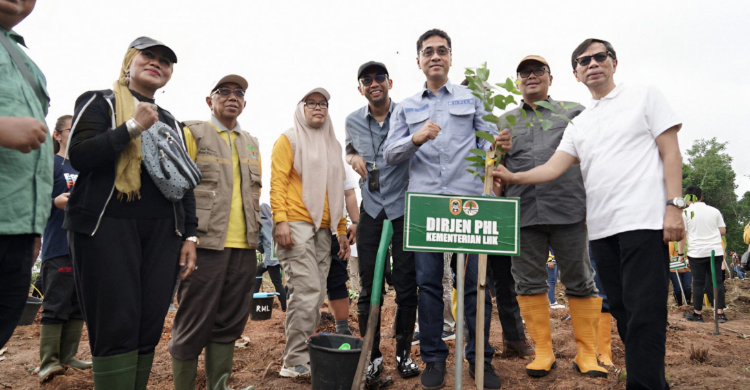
438,166
365,137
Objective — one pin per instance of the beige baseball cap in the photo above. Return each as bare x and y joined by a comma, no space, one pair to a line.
231,78
532,58
319,90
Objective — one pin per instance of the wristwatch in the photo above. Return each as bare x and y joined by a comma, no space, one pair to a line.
193,239
677,202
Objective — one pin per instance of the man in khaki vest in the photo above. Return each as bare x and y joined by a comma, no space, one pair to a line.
215,301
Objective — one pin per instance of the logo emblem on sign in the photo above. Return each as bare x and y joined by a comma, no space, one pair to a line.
471,208
455,206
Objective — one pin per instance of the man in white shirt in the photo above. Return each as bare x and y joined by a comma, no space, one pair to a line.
626,144
705,226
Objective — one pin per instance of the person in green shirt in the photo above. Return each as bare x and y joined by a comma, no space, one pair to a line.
26,160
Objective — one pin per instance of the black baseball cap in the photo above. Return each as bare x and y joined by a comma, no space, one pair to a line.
370,64
141,43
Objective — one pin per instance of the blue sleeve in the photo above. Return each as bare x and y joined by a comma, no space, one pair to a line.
398,146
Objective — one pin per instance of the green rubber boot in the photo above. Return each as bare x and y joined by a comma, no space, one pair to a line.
49,352
219,366
71,337
184,372
115,372
143,372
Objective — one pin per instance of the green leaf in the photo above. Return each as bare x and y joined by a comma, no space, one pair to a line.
563,117
478,165
479,95
475,159
478,152
511,119
483,74
487,106
524,115
571,105
546,105
492,118
510,99
469,72
500,101
546,124
485,136
482,177
470,171
538,114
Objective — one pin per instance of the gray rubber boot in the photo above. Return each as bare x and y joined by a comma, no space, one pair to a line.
49,352
71,337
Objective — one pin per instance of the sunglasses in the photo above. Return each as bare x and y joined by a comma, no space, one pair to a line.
240,93
367,80
599,57
429,52
538,72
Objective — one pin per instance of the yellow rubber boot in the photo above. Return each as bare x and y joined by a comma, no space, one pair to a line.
585,314
604,339
535,312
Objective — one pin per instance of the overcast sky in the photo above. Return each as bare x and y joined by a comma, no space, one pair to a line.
694,51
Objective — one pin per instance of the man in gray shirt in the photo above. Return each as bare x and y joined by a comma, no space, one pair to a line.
383,189
552,215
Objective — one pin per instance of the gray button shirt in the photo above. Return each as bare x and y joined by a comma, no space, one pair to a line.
562,201
438,165
365,137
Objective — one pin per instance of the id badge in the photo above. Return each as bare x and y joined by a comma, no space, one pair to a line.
373,180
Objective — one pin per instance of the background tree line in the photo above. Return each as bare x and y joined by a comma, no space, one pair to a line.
710,168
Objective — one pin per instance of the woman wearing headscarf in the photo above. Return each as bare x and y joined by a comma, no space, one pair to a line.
270,262
307,198
126,238
62,321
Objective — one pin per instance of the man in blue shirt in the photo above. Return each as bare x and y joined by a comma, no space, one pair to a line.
383,191
434,131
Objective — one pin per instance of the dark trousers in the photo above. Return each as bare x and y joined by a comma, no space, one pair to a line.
634,269
702,282
214,301
125,276
60,299
404,274
274,271
430,280
337,274
16,260
599,286
505,294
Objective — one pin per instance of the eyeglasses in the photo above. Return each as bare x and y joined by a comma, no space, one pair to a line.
538,72
429,52
311,105
599,57
367,80
240,93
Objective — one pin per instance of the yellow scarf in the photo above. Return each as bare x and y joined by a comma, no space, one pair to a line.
128,176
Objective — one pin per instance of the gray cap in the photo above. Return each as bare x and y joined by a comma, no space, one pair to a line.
141,43
370,64
231,78
319,90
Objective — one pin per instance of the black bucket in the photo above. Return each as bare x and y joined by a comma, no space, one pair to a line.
331,367
262,306
30,310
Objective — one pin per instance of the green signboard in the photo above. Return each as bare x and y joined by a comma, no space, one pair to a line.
465,224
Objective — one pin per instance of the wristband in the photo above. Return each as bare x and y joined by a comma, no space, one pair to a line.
681,254
134,128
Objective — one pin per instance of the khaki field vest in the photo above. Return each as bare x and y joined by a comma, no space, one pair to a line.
213,196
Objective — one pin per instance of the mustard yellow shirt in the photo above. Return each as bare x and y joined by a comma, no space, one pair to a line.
286,190
237,229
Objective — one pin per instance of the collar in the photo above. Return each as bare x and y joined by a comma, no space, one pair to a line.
141,98
219,127
611,95
14,36
448,87
390,108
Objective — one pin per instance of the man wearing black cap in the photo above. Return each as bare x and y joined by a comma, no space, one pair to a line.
383,189
552,215
215,301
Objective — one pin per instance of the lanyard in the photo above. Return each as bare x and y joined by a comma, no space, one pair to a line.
372,141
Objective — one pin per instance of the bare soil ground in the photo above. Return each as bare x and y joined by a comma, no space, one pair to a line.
727,365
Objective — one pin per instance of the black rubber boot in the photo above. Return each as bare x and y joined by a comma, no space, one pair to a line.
375,367
678,298
405,319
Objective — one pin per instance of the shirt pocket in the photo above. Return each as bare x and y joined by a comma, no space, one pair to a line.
204,201
416,119
521,139
461,119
